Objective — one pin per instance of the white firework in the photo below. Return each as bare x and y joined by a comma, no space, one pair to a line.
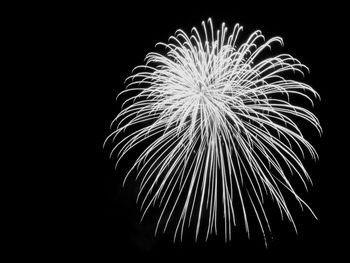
219,127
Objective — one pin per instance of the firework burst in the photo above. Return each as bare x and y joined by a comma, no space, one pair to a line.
220,129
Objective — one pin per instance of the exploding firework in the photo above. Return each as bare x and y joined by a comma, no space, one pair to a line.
219,127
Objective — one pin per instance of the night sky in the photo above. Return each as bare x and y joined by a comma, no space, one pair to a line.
106,42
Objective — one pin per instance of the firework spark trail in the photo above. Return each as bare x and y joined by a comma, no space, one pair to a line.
222,128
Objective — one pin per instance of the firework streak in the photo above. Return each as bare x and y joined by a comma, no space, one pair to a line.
220,129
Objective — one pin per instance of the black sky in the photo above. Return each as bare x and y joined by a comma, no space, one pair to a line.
106,42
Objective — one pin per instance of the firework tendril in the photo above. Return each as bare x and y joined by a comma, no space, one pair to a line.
220,130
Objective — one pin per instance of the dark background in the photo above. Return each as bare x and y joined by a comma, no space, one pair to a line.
100,47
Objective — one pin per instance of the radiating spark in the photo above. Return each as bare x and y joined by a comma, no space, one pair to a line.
220,129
